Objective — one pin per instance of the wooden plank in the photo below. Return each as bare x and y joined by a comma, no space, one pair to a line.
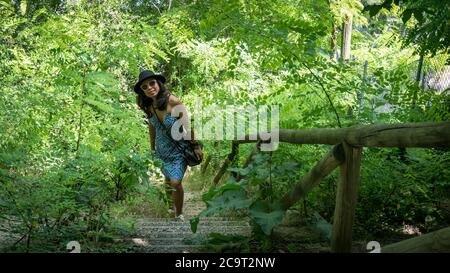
420,134
346,196
433,242
321,170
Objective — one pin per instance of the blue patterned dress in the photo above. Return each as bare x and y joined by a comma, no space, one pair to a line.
174,165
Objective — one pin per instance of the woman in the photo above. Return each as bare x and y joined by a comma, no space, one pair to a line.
157,102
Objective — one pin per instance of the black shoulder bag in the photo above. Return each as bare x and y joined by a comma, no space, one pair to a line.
186,147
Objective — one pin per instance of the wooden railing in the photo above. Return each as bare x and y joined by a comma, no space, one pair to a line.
346,153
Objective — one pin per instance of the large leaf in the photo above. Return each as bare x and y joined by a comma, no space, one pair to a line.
213,191
38,13
226,243
287,168
267,215
241,171
194,223
319,225
228,200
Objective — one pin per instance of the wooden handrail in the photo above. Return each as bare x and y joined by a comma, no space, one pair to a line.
437,241
347,154
420,134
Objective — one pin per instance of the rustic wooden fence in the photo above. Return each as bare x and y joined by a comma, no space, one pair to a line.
346,154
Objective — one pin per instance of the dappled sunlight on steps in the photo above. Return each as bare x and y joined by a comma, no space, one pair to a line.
168,235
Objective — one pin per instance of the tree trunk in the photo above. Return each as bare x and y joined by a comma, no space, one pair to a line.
333,41
418,78
346,37
80,121
361,95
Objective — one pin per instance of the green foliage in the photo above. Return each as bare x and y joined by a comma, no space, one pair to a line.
321,226
65,89
252,195
429,29
72,201
408,195
74,161
266,215
219,243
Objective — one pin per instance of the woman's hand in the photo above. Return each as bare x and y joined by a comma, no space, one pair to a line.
198,152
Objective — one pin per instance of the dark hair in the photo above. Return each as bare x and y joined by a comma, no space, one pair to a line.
162,99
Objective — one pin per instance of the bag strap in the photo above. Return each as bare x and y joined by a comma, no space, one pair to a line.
199,145
156,115
167,131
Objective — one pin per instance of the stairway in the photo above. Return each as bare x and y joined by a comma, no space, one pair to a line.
166,235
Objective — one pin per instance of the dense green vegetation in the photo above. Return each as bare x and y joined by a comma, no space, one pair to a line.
74,147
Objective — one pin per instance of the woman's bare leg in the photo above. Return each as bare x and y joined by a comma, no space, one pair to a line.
178,196
169,191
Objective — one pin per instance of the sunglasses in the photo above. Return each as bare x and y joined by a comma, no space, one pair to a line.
146,86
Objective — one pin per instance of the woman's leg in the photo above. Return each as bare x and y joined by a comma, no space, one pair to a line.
178,196
169,191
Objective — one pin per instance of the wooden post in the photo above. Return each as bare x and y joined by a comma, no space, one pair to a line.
346,196
228,160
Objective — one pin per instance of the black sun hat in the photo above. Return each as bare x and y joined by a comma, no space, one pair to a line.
145,75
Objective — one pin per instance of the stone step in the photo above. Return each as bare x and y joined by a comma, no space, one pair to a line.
191,205
171,249
202,219
174,241
170,222
200,229
170,235
192,210
189,235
